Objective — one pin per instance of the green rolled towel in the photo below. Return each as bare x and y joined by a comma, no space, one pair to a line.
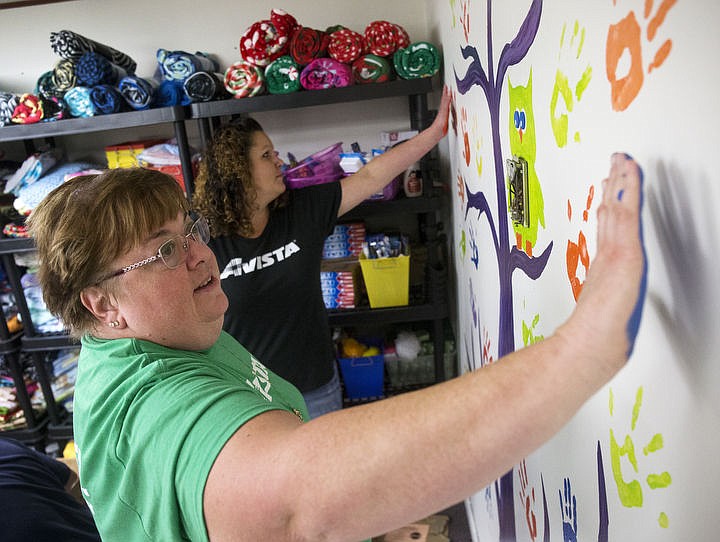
282,76
419,59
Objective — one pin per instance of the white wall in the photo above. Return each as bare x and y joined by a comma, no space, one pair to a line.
668,127
140,27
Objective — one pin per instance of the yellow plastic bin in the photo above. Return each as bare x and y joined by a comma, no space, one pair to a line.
387,280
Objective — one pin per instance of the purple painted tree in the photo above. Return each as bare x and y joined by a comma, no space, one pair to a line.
509,257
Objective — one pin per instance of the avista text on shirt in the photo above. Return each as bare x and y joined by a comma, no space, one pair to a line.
237,266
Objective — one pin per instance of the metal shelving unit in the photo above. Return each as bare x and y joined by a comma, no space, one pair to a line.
433,308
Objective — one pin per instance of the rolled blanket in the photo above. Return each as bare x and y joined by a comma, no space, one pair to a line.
243,80
205,87
371,68
8,102
63,76
179,65
79,103
70,45
324,73
107,99
282,76
45,86
267,40
346,45
171,93
92,69
383,38
29,110
139,93
419,59
54,109
307,44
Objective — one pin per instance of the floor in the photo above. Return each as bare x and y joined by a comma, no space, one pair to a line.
450,525
458,527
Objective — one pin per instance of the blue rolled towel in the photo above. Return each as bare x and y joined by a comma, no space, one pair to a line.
93,69
179,65
79,103
171,93
138,92
107,99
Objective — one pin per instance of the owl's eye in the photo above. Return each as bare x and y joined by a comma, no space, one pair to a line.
519,119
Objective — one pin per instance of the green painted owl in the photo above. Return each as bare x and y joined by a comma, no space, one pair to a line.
523,145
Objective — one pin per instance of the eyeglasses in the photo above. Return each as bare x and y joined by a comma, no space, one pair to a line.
170,252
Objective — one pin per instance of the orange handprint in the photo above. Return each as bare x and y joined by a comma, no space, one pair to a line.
626,35
577,253
528,500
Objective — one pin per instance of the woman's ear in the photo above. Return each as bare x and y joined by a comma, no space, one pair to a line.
100,304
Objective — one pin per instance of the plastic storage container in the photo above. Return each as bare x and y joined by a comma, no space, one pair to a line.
387,280
364,377
318,168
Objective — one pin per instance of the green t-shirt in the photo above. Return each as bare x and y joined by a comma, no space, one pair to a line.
149,422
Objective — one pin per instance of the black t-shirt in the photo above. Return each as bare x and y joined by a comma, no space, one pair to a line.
273,284
35,505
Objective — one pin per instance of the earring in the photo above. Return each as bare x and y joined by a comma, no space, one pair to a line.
114,323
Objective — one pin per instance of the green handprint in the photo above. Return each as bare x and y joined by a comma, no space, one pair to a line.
631,492
559,122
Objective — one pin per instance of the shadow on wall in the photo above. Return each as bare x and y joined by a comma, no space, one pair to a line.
685,222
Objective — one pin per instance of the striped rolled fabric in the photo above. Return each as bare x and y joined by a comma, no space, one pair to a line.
8,102
70,45
63,75
244,80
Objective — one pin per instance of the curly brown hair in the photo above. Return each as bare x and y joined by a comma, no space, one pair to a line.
224,189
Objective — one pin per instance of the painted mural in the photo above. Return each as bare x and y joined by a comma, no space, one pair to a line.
544,85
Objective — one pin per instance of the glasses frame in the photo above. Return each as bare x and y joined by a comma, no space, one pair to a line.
194,232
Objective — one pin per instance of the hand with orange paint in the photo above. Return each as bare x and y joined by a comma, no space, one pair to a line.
611,301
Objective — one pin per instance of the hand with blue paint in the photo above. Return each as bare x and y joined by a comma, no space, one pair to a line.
610,306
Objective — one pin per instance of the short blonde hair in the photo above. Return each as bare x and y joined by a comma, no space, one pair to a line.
86,223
